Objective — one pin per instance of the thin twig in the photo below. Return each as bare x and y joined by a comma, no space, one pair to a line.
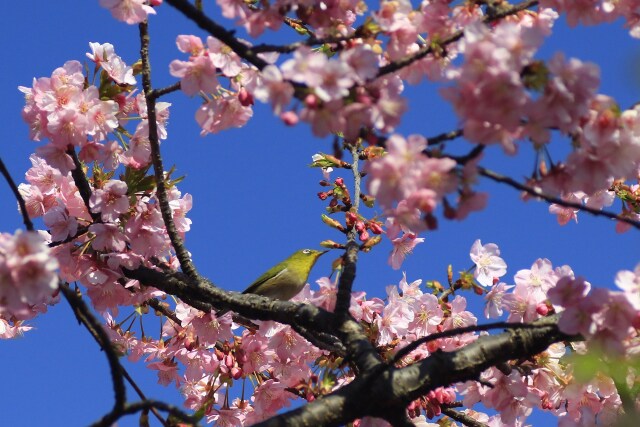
394,66
456,331
443,137
81,181
463,418
552,199
12,184
84,316
157,93
181,252
138,390
225,36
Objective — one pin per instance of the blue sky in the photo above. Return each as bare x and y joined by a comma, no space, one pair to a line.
255,198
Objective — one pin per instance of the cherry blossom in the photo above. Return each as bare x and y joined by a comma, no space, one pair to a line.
489,265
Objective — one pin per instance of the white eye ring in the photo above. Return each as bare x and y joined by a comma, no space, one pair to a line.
306,251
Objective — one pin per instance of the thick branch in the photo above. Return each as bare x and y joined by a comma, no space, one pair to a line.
395,388
203,295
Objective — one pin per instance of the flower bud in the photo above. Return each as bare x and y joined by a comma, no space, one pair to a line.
289,118
332,222
245,98
375,227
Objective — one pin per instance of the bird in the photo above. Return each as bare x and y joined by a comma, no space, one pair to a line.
286,279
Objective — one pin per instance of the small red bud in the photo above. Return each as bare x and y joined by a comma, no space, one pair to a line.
219,354
360,226
542,309
289,118
364,236
322,195
375,228
340,182
351,219
245,98
333,203
236,373
311,101
229,362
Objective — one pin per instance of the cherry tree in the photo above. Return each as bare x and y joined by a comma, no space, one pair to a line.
111,221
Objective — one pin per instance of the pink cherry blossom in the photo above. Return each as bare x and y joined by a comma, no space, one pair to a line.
129,11
222,113
60,224
403,246
197,74
488,263
110,200
28,272
629,282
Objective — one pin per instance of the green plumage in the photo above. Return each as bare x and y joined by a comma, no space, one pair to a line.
287,278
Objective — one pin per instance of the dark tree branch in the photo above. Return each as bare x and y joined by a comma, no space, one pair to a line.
85,317
452,333
462,418
552,199
81,181
138,390
203,295
395,387
14,188
157,93
144,405
181,252
443,137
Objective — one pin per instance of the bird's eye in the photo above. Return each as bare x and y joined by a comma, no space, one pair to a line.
306,251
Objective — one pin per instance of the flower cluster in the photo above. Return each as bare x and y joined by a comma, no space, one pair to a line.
119,224
28,280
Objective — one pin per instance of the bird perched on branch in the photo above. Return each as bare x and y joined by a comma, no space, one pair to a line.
286,279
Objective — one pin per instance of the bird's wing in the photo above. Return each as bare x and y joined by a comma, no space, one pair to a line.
263,279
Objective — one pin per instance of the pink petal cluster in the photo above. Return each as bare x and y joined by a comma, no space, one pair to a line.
407,183
28,279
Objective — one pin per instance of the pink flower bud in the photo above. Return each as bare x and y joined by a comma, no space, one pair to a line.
340,182
542,309
236,373
311,101
375,228
289,118
322,195
364,236
245,98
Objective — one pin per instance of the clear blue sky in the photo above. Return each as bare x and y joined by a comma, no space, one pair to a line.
254,197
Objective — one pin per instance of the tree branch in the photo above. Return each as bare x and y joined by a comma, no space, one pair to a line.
14,188
552,199
394,66
463,418
181,252
84,316
227,37
395,387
